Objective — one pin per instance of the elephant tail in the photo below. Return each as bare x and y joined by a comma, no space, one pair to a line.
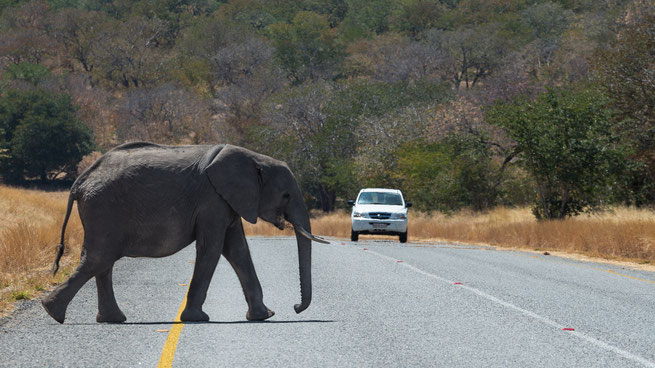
60,248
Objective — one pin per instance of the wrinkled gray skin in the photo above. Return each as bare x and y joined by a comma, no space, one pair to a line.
147,200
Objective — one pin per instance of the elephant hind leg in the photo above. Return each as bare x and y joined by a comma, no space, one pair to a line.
57,301
108,310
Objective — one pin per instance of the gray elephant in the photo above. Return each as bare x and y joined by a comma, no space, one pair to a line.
147,200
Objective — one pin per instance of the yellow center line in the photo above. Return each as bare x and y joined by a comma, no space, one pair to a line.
620,274
168,353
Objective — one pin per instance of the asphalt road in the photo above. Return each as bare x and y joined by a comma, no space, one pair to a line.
368,310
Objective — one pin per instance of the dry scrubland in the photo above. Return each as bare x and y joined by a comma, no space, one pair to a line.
30,223
620,234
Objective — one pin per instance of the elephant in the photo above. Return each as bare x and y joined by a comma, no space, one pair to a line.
147,200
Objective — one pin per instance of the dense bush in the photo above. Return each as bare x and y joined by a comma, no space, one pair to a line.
454,173
40,136
566,143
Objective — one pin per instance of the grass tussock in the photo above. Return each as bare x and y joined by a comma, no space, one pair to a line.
30,224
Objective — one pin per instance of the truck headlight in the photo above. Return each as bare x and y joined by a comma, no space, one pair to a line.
357,214
399,216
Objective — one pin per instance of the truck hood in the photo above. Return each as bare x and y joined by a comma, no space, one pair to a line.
379,208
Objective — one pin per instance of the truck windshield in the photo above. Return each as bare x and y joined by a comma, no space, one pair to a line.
392,199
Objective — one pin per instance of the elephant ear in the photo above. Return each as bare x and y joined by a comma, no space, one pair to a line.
237,178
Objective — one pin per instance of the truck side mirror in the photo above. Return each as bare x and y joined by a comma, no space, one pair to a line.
351,202
408,204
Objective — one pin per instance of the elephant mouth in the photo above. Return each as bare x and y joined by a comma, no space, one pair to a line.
301,230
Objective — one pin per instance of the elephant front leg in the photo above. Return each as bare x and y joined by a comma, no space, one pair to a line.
108,310
237,253
207,256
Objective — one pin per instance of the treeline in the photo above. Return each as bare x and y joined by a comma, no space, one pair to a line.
459,103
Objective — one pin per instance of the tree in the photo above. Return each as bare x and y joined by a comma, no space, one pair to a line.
393,58
28,72
334,9
199,44
28,38
165,114
42,136
365,18
413,17
565,141
626,70
293,119
244,74
477,12
306,48
547,21
448,175
77,31
234,65
128,54
473,52
380,138
96,107
259,14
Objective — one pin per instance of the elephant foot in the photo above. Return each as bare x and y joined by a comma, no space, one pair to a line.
54,310
259,315
114,317
194,315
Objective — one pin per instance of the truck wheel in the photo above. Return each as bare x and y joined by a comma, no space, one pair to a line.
403,237
354,236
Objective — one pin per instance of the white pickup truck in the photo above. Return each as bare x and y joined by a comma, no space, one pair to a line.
379,211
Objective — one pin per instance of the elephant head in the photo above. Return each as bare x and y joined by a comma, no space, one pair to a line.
255,186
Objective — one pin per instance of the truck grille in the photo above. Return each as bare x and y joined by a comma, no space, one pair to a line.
379,215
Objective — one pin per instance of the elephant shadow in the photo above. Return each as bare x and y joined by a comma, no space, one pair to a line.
201,323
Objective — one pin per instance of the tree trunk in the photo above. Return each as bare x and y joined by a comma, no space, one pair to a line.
328,198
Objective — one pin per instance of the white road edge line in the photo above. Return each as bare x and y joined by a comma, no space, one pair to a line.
528,313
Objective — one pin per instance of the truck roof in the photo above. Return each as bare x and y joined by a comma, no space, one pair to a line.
380,190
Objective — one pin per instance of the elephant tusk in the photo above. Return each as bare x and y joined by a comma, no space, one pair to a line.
309,236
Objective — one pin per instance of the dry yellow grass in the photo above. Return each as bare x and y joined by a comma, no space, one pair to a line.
30,223
622,234
625,233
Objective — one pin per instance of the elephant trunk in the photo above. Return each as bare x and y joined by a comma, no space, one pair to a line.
305,264
297,215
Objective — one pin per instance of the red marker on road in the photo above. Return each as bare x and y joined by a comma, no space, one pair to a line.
365,249
343,243
458,283
568,329
399,261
